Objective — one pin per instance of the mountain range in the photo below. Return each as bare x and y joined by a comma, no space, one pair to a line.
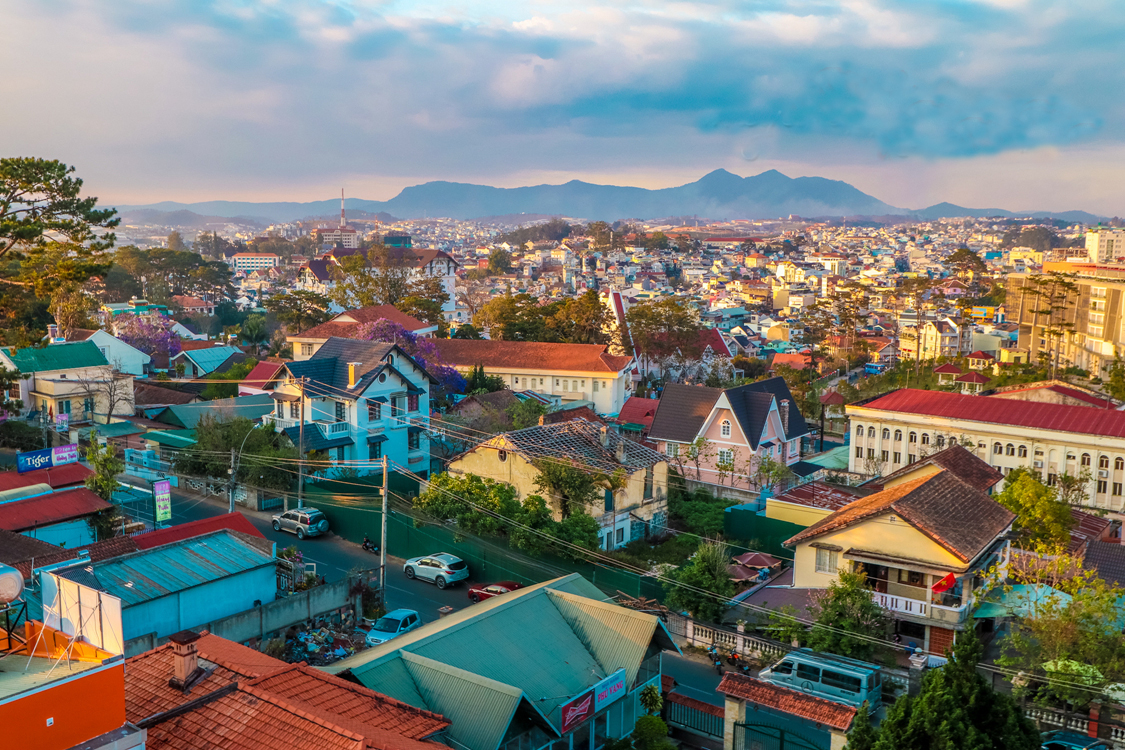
717,195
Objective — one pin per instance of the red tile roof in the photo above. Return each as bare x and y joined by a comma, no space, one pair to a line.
529,355
233,521
947,369
966,465
59,476
972,377
346,324
819,495
1042,416
44,510
981,355
835,715
347,703
638,410
262,374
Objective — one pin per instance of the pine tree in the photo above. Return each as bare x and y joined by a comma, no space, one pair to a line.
862,735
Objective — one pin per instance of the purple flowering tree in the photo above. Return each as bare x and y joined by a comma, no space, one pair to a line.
422,350
152,334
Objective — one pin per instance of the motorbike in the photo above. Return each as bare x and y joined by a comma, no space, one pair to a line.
368,545
734,659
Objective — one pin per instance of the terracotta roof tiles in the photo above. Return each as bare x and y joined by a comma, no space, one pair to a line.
530,355
835,715
966,465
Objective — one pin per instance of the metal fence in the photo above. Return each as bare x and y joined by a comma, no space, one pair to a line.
755,736
694,716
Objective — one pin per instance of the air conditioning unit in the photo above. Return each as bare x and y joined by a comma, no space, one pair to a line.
1103,473
1037,464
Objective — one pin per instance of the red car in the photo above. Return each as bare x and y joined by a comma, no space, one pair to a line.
489,590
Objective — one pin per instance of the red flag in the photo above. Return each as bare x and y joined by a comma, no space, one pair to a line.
945,584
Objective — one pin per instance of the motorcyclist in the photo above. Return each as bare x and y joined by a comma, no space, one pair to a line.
367,544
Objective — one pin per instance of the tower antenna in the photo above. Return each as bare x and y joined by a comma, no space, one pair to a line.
343,221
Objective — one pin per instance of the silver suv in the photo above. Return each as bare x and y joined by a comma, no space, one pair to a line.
303,522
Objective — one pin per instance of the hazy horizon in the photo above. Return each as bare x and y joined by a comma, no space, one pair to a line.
982,103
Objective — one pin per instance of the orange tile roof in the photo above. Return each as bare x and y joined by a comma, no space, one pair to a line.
343,700
233,521
836,715
250,719
529,355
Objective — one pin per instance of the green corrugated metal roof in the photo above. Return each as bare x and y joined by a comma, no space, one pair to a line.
617,637
480,709
69,356
208,360
578,640
172,438
188,415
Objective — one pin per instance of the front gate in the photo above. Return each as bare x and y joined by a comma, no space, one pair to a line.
769,737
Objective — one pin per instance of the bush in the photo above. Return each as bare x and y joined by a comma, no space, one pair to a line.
651,733
673,550
698,512
20,436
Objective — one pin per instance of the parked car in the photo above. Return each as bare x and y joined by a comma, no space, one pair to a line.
391,625
1062,739
484,591
443,569
302,521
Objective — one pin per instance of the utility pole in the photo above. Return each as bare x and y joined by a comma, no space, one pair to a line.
301,451
383,540
230,486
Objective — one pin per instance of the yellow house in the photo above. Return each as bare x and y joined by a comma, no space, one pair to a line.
920,543
624,514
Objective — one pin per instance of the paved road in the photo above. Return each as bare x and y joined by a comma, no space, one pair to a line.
334,557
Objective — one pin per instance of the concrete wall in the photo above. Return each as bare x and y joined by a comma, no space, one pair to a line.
260,622
70,534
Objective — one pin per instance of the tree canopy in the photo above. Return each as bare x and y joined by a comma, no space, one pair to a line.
298,309
846,605
702,587
1041,517
267,457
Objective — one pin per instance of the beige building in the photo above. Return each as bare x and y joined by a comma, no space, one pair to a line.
897,429
922,542
939,338
629,512
71,378
1105,245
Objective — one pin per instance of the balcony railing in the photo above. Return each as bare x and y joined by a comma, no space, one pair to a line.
920,608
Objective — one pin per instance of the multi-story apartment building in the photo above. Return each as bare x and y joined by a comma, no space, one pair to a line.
1089,323
342,236
247,262
1105,245
897,429
359,401
937,338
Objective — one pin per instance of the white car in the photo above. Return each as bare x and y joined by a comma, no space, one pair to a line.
392,624
443,569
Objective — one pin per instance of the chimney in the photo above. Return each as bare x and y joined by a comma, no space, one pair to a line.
52,332
603,436
620,451
542,420
185,660
353,369
785,415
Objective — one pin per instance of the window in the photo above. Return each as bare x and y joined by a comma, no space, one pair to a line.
859,430
1070,457
413,440
884,456
997,448
595,386
648,483
914,437
88,405
909,577
941,441
1103,462
515,381
294,410
620,535
898,457
374,411
859,452
374,451
911,458
566,385
1117,488
501,456
871,453
886,434
608,501
412,402
870,432
673,450
574,385
1052,480
898,436
396,406
1119,463
280,409
14,391
583,385
556,382
925,439
1102,486
1085,459
1023,451
341,411
64,407
724,428
1009,450
826,560
306,349
808,672
726,456
840,681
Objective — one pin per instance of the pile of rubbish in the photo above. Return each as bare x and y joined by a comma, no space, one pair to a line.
323,643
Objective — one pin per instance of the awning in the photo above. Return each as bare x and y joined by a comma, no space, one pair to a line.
284,396
372,439
414,390
380,399
414,429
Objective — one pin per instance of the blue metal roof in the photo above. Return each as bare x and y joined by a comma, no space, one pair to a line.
315,440
209,360
151,574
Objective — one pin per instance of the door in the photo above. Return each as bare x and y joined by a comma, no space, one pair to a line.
287,520
425,569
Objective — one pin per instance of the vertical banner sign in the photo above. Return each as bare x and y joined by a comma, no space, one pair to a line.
46,458
162,493
62,422
576,710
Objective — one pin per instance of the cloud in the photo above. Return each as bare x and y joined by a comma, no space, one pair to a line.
177,98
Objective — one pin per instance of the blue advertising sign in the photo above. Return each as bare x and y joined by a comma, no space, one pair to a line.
609,690
46,458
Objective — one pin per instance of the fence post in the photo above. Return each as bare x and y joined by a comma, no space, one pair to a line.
690,630
740,639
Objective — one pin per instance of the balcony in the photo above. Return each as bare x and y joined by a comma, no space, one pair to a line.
919,608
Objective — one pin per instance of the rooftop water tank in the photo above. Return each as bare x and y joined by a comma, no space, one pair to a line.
11,584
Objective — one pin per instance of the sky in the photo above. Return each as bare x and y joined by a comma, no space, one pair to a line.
1013,104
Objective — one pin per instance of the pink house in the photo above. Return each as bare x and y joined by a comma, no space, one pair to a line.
721,436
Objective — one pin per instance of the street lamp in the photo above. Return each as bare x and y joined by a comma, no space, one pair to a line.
235,460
